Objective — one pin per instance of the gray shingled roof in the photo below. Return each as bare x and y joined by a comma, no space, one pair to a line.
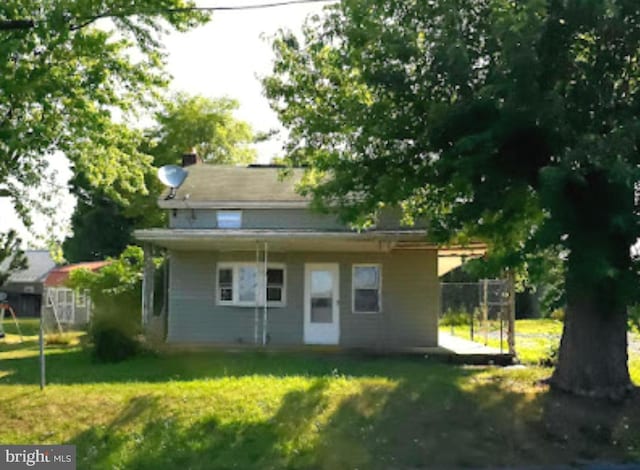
218,183
39,265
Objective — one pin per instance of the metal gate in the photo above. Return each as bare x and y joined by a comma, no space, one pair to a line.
480,310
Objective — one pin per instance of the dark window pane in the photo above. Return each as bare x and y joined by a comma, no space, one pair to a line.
226,294
225,276
321,310
275,276
366,300
274,294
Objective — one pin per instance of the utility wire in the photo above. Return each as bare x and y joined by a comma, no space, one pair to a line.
257,6
27,23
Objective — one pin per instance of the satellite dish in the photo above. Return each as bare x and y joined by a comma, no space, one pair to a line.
3,296
172,176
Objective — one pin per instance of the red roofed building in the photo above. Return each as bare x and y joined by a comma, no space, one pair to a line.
65,305
58,276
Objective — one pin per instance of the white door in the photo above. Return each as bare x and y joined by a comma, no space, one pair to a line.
65,305
321,299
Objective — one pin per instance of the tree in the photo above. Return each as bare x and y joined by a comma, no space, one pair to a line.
516,123
62,78
103,223
115,292
11,256
206,124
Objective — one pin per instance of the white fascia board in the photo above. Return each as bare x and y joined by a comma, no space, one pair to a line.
193,234
187,204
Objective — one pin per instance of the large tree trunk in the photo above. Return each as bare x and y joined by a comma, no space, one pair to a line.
593,351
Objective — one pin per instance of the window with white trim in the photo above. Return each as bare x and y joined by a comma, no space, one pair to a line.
366,282
244,284
81,298
229,219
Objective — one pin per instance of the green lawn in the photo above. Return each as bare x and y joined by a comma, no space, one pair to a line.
274,410
535,339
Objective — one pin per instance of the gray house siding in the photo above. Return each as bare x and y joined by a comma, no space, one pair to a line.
410,300
258,219
294,219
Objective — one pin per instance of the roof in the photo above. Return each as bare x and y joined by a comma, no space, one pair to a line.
284,240
59,275
39,263
219,186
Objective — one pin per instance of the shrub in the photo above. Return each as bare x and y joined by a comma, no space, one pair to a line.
61,339
633,318
557,314
550,359
457,317
115,293
111,344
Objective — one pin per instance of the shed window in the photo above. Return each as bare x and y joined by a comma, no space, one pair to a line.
366,292
244,284
229,219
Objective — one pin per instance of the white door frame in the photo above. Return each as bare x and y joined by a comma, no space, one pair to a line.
322,333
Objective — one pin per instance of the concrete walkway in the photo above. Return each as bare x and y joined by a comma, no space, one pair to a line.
463,346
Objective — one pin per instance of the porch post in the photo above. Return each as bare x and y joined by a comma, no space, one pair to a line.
264,292
147,285
255,309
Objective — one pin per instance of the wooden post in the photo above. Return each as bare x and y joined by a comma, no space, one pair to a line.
511,329
485,310
147,285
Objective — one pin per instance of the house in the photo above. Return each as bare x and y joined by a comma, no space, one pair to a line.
68,306
25,288
251,263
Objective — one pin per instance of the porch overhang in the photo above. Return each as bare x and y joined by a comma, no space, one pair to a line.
285,240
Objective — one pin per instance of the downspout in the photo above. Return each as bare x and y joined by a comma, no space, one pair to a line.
255,309
264,292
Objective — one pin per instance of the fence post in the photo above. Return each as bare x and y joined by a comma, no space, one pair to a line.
511,338
485,310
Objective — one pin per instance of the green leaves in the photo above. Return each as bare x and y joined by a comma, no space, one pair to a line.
65,75
11,256
478,116
206,124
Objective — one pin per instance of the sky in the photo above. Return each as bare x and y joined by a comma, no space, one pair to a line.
225,57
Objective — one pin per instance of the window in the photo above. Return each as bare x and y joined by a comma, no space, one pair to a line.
366,283
81,298
225,285
247,284
275,284
229,219
243,284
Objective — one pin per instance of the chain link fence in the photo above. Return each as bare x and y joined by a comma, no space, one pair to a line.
478,311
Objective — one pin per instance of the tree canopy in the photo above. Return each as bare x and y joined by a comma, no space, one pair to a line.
62,79
11,255
516,123
205,124
102,224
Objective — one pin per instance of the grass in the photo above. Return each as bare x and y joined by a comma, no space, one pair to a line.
274,410
535,339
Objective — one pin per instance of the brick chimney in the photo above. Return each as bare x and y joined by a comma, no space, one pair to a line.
190,157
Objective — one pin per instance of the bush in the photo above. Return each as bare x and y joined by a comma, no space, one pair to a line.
557,314
551,357
111,344
457,317
61,339
634,318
